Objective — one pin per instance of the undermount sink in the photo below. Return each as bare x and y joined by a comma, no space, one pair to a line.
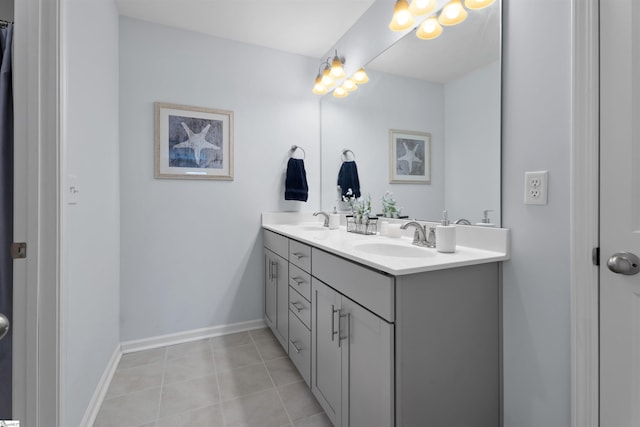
311,227
393,250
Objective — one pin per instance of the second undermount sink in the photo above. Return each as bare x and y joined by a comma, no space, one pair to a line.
393,250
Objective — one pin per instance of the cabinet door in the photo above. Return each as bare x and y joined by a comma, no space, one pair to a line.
326,363
368,368
281,279
270,290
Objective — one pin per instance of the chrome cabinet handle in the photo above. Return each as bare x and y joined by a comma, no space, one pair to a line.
4,325
298,255
333,325
340,317
624,263
298,280
270,270
295,347
296,305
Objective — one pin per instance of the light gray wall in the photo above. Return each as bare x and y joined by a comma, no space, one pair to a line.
536,135
472,129
191,251
361,123
90,288
6,10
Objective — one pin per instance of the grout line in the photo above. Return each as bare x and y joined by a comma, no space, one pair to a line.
164,368
215,367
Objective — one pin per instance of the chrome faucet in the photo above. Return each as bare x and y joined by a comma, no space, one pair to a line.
463,221
325,215
420,235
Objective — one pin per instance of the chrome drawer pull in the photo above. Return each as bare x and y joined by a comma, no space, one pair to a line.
298,255
298,280
295,347
333,326
296,305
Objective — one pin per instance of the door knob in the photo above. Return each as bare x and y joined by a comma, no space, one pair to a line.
624,263
4,325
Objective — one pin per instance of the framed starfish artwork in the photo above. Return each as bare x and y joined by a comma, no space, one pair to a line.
193,142
409,157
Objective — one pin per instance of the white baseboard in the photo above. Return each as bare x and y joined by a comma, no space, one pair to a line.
192,335
101,390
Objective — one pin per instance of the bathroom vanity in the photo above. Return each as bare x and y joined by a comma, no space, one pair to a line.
386,333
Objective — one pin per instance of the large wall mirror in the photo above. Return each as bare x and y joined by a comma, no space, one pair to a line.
449,89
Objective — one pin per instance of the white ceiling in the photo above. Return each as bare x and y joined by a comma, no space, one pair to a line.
304,27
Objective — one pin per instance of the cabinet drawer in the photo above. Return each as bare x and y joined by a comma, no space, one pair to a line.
374,291
300,347
276,243
300,307
300,280
300,255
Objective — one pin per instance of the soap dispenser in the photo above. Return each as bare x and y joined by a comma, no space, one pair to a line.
334,219
486,221
445,235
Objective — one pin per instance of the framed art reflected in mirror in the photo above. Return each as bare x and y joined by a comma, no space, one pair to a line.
409,157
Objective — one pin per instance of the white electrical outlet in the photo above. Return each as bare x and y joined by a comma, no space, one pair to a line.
535,187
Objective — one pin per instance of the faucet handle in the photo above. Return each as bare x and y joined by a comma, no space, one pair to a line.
431,238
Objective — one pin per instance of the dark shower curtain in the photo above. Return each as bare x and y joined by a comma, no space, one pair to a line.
6,214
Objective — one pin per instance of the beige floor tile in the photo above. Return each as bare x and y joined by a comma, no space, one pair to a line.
283,371
261,333
130,410
236,357
195,365
144,357
243,381
187,395
200,347
270,348
299,401
262,409
318,420
128,380
231,340
211,416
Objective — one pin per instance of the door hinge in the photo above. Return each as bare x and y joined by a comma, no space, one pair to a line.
595,256
18,250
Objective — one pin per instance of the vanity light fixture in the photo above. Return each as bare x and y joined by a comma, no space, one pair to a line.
478,4
453,13
349,85
429,29
318,87
327,80
340,92
423,7
332,70
337,71
402,18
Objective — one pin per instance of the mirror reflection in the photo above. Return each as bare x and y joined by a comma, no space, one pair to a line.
426,127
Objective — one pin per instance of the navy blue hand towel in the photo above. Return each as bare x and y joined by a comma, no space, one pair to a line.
348,179
295,184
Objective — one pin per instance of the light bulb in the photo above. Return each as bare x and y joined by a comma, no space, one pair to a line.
429,29
327,80
360,76
453,13
337,72
422,7
349,85
340,92
318,87
402,19
478,4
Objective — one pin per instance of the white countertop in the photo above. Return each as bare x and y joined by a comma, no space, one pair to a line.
476,245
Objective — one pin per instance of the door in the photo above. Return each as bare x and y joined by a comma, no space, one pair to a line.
270,290
620,213
326,362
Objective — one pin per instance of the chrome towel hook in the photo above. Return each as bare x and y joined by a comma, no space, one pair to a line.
344,155
297,147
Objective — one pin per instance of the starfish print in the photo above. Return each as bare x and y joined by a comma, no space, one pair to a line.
410,156
196,142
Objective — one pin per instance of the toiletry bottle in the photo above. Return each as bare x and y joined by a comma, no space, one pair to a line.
486,221
445,235
334,220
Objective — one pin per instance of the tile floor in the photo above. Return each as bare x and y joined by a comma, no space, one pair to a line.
239,380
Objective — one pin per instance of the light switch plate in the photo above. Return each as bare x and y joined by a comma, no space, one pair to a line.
536,187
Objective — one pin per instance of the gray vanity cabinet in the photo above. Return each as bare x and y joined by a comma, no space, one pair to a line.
352,352
276,286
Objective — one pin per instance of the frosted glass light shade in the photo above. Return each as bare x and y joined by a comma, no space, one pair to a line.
402,18
478,4
423,7
318,87
349,85
337,71
327,80
340,92
453,13
360,76
429,29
